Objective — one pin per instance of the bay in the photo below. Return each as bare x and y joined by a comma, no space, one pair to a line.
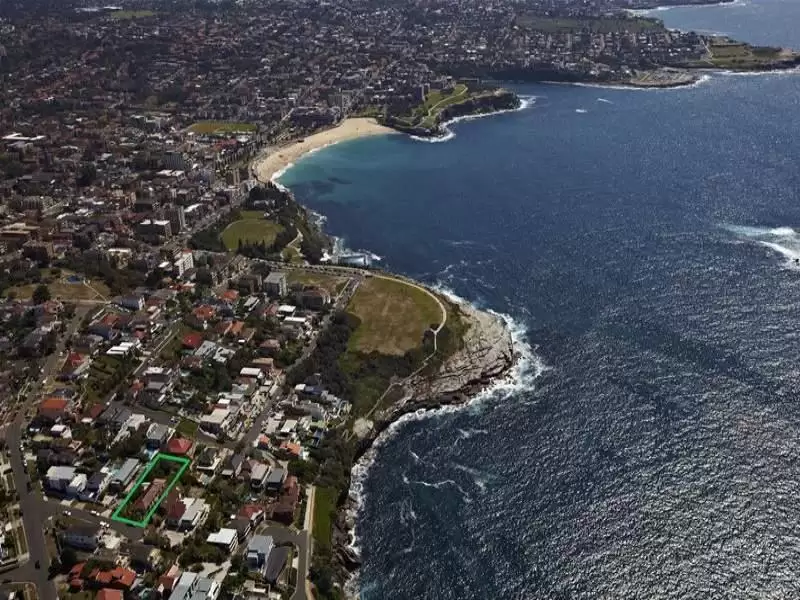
647,247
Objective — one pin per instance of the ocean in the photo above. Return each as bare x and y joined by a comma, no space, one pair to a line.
644,246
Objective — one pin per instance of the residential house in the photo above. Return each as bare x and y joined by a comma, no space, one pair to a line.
191,586
233,465
258,475
83,536
124,475
157,435
109,594
275,479
144,557
226,539
275,284
275,564
258,551
253,512
179,446
153,492
58,478
54,409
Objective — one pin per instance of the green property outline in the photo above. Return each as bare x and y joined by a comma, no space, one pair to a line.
185,462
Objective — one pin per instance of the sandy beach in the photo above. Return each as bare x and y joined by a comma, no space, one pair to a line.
278,158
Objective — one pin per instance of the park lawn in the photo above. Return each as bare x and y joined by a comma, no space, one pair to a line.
393,316
207,127
187,428
60,289
727,54
331,283
592,24
252,230
324,508
124,15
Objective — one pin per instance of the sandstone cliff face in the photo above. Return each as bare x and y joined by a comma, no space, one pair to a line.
487,354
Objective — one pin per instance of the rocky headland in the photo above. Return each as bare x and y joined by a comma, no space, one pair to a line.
486,355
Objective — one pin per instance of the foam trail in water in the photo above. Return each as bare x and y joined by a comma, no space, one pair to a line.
465,434
444,483
782,240
581,111
479,478
605,101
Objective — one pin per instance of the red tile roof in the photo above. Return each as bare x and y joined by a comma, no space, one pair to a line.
178,445
53,404
193,340
108,594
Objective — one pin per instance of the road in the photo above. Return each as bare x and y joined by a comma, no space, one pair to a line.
34,509
302,541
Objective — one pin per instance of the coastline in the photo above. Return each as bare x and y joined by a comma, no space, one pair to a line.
494,358
495,362
277,158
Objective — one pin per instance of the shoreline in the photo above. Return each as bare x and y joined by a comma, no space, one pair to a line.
276,159
495,358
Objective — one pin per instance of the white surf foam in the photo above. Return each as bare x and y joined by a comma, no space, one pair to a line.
646,11
276,177
581,111
629,88
605,101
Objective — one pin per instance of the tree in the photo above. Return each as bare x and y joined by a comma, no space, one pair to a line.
88,173
41,294
69,558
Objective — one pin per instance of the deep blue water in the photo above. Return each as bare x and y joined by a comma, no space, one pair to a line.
766,22
647,248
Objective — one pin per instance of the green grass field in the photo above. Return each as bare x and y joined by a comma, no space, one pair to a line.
207,127
124,15
732,55
187,428
252,228
595,25
324,507
61,290
393,315
331,283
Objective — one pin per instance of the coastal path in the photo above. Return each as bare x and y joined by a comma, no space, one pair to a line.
428,358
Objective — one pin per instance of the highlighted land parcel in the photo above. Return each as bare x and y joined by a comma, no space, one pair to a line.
128,505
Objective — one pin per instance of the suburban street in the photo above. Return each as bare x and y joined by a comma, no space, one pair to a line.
38,512
34,509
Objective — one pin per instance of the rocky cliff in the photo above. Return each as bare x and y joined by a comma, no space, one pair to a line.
482,103
486,355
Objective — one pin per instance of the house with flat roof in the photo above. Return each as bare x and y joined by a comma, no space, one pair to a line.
258,552
275,284
191,586
225,538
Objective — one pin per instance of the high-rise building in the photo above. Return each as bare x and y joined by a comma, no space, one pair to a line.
177,218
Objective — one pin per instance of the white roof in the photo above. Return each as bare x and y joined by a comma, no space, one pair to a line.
61,473
250,372
286,308
223,536
218,415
